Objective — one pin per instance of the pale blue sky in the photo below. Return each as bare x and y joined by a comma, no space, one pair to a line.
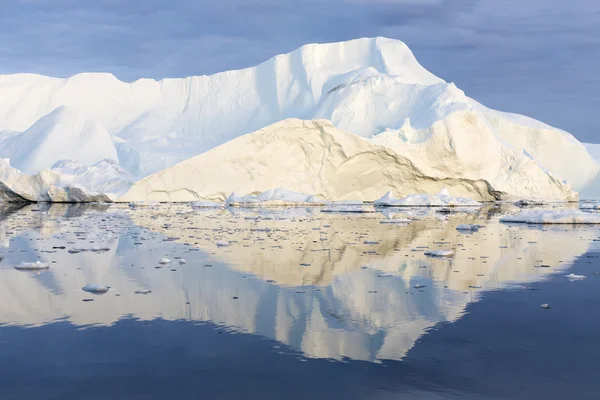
536,57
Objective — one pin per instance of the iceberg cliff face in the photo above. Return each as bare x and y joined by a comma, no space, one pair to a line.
315,157
369,87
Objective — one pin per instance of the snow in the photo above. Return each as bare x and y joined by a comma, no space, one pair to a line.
66,181
371,87
32,266
442,199
553,217
62,134
314,157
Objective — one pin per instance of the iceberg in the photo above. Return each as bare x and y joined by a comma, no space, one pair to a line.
66,182
372,89
553,217
317,158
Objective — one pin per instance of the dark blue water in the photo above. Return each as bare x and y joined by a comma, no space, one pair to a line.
322,339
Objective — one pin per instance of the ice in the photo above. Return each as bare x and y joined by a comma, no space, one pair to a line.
206,204
32,266
553,217
439,253
530,202
371,111
95,288
164,260
468,227
575,277
66,181
441,199
279,196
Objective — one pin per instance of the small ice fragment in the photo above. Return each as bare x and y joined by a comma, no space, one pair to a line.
32,266
164,260
439,253
419,286
467,227
95,288
182,261
222,243
143,291
545,306
574,277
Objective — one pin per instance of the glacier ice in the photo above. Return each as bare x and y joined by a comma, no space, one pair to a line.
66,182
315,157
553,217
370,87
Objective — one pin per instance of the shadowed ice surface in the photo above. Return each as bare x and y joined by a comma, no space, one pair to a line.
294,303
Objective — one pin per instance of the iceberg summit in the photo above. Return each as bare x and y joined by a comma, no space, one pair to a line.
341,121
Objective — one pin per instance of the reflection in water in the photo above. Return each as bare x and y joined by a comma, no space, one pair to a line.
331,285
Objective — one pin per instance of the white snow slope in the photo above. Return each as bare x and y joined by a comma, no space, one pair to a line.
317,158
364,86
61,134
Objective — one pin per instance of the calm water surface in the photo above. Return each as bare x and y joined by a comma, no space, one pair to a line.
294,303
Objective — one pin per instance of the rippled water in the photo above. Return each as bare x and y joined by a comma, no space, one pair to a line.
294,303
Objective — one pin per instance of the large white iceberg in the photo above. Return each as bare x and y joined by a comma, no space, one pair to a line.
317,158
373,88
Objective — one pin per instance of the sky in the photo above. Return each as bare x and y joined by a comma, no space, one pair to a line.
540,58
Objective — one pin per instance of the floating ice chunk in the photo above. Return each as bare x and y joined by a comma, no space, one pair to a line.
468,227
530,202
440,253
277,196
222,243
545,306
32,266
419,286
575,277
143,291
396,221
553,217
206,204
182,261
134,204
442,199
164,260
95,288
